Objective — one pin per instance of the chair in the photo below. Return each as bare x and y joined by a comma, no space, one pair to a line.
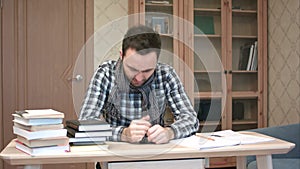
290,133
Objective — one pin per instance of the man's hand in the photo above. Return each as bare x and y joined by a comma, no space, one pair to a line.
136,130
159,135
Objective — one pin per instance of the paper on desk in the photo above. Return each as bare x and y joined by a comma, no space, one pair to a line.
202,143
220,139
244,138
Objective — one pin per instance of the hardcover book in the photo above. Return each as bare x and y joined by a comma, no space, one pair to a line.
205,24
88,125
35,122
39,113
100,133
39,127
52,141
30,135
42,150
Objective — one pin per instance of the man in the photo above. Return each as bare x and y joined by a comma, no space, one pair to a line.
133,92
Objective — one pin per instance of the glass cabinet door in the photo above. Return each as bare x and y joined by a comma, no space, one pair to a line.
244,64
208,67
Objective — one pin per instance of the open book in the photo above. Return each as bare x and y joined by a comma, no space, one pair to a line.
219,139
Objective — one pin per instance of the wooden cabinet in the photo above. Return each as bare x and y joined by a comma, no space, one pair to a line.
235,96
228,91
236,92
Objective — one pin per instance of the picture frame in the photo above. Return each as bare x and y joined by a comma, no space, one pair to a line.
160,24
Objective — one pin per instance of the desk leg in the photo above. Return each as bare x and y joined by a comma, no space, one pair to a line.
264,161
36,166
241,162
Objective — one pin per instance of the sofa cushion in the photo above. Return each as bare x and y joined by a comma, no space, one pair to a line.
290,163
290,133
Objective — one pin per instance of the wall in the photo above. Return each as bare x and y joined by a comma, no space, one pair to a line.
283,62
104,12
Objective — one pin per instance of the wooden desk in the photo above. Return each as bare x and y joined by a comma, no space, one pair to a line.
122,152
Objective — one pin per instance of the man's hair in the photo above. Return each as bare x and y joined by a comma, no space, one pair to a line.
143,39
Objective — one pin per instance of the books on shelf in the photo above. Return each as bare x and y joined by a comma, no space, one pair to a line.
248,59
254,62
204,24
53,141
42,150
88,125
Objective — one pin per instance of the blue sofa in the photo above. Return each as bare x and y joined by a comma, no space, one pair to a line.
290,133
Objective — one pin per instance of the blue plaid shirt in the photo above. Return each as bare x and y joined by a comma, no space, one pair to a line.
169,91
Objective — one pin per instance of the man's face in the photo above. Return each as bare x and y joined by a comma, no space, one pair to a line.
138,68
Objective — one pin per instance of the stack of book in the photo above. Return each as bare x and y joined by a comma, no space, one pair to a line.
88,132
40,131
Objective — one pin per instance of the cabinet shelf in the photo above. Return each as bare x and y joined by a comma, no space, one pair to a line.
244,36
244,71
207,95
207,71
245,95
207,36
207,11
243,122
158,5
242,11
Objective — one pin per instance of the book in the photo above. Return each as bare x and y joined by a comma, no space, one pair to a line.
244,56
75,133
87,143
88,125
42,150
255,59
39,127
31,135
86,139
204,24
44,142
250,57
35,121
39,113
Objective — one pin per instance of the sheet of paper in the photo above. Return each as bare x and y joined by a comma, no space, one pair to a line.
202,143
219,139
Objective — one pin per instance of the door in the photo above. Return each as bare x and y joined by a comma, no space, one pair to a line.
41,42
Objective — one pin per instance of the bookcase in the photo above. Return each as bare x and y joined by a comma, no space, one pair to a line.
233,94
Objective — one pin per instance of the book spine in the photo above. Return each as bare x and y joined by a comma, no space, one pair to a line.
72,125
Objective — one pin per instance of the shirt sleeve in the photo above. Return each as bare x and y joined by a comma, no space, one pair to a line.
186,122
96,95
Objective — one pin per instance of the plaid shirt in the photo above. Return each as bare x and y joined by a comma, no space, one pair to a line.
169,90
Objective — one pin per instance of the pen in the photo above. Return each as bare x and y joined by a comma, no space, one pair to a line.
205,137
